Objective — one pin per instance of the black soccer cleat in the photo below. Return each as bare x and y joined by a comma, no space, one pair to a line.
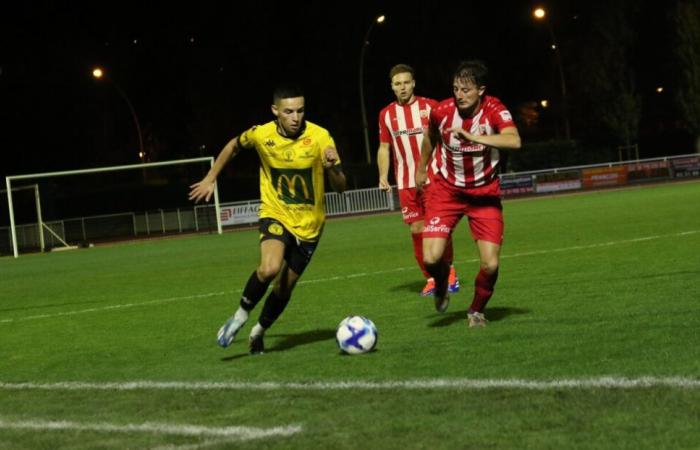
257,347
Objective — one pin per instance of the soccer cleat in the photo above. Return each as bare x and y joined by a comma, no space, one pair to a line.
476,320
228,332
441,303
257,347
453,281
429,288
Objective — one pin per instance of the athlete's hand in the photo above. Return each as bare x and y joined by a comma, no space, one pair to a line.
461,134
384,184
421,178
201,190
330,157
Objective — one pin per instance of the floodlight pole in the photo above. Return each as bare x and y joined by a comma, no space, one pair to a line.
363,109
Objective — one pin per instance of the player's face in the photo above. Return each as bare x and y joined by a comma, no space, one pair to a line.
467,94
290,114
403,84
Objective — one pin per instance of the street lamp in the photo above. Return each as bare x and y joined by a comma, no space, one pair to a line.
98,73
540,14
365,44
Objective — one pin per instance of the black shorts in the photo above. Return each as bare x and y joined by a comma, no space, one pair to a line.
297,253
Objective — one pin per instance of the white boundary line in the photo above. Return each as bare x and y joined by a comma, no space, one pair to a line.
345,277
238,432
604,382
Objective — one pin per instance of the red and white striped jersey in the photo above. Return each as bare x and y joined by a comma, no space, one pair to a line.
468,164
402,127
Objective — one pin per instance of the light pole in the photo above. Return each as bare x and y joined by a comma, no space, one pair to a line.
99,74
540,14
365,44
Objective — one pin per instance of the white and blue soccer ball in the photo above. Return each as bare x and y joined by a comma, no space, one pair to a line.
356,334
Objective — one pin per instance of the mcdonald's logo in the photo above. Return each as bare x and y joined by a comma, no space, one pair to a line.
293,186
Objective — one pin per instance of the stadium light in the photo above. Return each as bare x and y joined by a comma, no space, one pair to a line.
98,73
365,43
540,15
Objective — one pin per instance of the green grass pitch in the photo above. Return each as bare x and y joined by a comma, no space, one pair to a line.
598,286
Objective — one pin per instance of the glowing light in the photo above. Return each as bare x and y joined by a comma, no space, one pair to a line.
97,73
544,103
539,13
381,19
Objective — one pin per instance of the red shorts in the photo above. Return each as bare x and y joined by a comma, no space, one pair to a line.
445,204
412,203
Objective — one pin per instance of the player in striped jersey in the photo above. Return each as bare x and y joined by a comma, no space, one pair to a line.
401,126
466,132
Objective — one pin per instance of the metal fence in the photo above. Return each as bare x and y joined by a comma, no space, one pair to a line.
129,225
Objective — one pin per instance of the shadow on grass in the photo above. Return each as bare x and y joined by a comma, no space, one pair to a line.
492,314
289,341
413,287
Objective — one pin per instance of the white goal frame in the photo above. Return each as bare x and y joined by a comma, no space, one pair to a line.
9,188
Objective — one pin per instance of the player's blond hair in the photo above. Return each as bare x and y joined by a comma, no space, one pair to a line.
401,68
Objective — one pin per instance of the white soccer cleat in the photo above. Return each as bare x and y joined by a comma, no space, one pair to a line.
228,332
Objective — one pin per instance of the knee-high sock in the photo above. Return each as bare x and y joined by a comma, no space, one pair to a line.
418,252
483,290
440,271
253,292
449,252
273,307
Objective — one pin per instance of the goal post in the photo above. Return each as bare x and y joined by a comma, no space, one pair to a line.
11,178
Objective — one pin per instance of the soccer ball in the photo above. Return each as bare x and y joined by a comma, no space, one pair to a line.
356,334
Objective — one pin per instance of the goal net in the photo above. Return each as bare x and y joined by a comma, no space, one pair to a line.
77,208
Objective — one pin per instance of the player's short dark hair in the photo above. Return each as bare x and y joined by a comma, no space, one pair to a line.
401,68
286,91
472,70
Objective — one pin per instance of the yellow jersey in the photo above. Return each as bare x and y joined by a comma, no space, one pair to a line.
291,176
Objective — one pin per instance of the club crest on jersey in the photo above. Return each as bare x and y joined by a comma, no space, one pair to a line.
424,113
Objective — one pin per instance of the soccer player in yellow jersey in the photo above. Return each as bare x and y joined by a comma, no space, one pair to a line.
294,154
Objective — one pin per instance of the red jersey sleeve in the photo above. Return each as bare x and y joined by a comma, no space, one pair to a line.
384,133
499,115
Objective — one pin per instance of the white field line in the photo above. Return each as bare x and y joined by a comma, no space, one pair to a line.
237,432
344,277
605,382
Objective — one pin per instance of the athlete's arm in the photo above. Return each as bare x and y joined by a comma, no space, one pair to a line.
335,172
383,165
426,151
205,188
507,138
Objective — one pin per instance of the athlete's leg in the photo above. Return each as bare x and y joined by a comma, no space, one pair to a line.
417,238
437,267
487,276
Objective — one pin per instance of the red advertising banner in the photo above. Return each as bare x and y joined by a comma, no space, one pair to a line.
648,170
604,176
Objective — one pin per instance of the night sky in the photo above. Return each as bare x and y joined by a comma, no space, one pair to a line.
199,74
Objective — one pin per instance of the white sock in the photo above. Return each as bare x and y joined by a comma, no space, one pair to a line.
241,315
257,330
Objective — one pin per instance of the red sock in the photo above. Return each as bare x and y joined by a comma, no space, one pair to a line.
449,252
483,290
418,251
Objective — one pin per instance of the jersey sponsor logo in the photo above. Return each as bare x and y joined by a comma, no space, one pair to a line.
434,225
470,148
409,132
269,143
289,155
294,186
